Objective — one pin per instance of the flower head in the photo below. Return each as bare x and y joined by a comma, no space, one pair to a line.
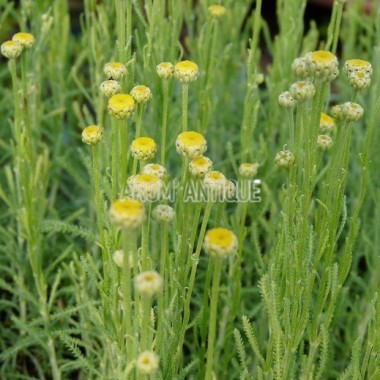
127,213
143,148
324,142
302,91
154,169
115,70
118,258
284,159
286,100
148,283
163,214
199,166
147,363
121,106
326,123
300,68
92,135
216,183
145,187
216,11
220,243
165,70
11,49
186,71
248,169
109,88
26,40
337,112
359,80
322,64
352,111
353,65
191,144
141,94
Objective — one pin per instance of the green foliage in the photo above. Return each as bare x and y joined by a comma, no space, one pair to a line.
300,298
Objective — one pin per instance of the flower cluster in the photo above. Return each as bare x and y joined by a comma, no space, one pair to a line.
358,73
20,41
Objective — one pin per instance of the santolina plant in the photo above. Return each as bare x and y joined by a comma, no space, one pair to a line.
173,207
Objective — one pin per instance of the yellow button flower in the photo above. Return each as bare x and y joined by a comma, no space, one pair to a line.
154,169
199,166
191,144
145,187
92,135
353,65
147,363
148,283
284,159
324,142
217,11
220,243
186,71
26,40
121,106
143,148
322,64
141,94
115,70
127,214
248,169
326,123
109,88
165,70
11,49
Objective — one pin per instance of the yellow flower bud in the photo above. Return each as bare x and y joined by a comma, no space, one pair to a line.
186,71
121,106
11,49
220,243
26,40
92,135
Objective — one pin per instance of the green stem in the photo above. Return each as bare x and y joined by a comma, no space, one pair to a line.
127,299
212,320
124,148
145,242
120,25
163,262
98,194
185,94
165,107
140,115
146,302
195,259
115,158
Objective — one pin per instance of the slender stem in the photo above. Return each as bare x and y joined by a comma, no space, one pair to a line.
98,193
127,299
115,158
140,114
212,320
165,107
120,25
337,27
195,259
291,127
185,94
146,302
161,303
145,242
124,148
